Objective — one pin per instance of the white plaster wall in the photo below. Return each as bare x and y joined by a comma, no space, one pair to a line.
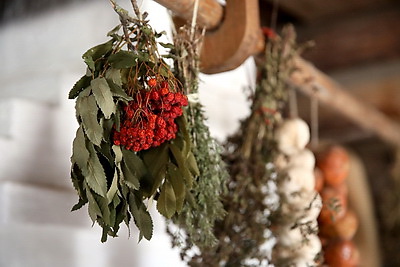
41,60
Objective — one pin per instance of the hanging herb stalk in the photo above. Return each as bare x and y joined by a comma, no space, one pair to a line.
197,219
132,143
243,235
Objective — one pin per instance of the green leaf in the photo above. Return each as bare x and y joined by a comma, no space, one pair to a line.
130,185
192,164
156,160
103,95
77,181
147,30
166,202
80,154
164,71
159,34
97,52
143,56
89,73
104,234
117,119
114,75
131,179
95,176
86,92
122,59
182,164
167,45
78,87
113,188
124,188
113,218
105,210
134,163
80,204
87,109
114,30
121,212
93,207
108,129
141,217
178,184
182,125
118,91
118,153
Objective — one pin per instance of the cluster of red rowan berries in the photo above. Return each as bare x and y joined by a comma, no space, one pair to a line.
149,119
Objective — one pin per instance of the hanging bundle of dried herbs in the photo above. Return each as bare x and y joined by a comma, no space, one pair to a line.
197,219
243,235
132,144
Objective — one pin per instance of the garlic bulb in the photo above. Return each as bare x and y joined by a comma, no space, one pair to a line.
310,248
304,159
289,237
281,162
292,136
303,177
312,212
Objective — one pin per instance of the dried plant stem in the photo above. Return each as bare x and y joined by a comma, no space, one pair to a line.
124,18
136,9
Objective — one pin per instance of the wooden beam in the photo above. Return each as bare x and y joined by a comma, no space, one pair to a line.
210,12
376,85
237,38
314,83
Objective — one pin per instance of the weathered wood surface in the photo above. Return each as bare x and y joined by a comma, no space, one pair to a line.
376,85
314,83
237,38
210,12
312,10
354,39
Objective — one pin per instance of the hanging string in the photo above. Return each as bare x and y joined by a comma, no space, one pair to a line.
314,122
194,18
274,15
293,109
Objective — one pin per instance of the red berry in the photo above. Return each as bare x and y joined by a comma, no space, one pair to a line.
154,95
169,97
152,82
164,91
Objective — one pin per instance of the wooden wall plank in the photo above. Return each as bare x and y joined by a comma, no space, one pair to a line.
312,10
349,41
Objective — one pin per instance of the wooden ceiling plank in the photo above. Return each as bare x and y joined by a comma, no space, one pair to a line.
354,40
312,10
